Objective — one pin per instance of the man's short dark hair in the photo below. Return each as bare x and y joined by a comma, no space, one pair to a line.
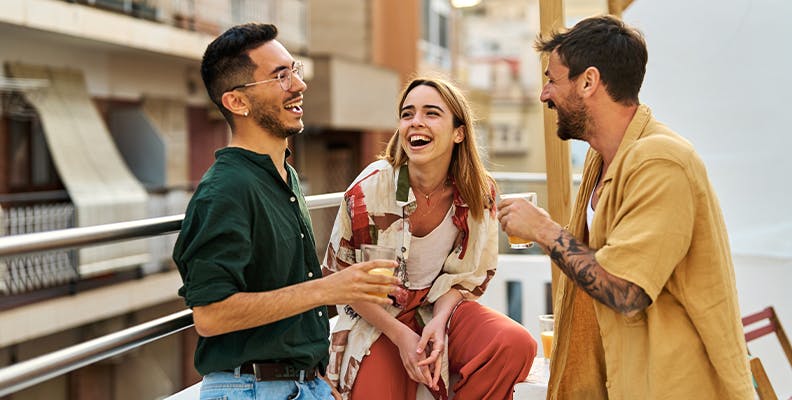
617,50
226,62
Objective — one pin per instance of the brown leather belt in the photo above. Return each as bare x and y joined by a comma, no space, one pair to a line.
277,372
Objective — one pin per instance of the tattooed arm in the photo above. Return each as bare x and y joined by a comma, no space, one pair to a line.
576,260
579,264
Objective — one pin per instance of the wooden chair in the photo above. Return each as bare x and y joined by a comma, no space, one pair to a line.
762,384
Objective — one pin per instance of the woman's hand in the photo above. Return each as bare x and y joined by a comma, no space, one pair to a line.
433,343
434,335
400,335
408,341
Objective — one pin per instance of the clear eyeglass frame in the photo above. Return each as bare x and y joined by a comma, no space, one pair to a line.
285,78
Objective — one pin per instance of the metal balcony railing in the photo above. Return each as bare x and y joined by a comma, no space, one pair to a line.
35,271
28,373
31,372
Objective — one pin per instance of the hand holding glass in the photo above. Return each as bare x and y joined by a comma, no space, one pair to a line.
373,252
514,241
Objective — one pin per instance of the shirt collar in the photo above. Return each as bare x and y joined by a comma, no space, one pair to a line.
635,130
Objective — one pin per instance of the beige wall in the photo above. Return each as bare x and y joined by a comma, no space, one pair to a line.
80,22
340,28
346,94
109,72
170,119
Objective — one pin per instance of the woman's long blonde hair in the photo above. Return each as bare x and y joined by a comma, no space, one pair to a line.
473,182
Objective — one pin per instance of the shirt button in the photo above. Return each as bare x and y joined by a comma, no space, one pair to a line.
404,249
320,313
302,236
310,274
292,199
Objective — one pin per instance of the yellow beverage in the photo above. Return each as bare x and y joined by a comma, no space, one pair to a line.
519,243
547,343
381,271
514,241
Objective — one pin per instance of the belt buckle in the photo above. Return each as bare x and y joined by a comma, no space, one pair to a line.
291,373
256,372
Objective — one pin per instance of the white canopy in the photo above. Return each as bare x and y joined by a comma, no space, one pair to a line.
718,74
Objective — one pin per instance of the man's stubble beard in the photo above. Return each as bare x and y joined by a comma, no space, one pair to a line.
573,124
266,117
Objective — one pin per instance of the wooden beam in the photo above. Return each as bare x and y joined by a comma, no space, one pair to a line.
557,159
617,7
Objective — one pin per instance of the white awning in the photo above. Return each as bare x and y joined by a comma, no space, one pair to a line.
712,90
99,183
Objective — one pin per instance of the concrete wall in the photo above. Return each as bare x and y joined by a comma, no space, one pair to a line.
169,116
350,95
341,28
109,72
80,22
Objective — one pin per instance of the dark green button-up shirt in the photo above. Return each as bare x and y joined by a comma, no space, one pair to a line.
246,230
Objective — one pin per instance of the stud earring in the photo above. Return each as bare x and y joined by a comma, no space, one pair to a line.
247,112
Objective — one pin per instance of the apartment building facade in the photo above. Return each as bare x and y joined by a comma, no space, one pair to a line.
104,119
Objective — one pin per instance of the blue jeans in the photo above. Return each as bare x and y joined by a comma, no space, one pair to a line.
227,386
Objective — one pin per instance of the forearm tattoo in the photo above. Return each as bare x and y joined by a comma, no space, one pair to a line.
577,261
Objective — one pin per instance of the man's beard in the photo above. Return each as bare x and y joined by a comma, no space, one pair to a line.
266,117
572,119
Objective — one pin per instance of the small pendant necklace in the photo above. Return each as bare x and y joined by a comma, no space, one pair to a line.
427,196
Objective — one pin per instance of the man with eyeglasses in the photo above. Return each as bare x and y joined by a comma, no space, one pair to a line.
246,251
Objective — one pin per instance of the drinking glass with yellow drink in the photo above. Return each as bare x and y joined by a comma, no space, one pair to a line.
373,252
546,328
516,242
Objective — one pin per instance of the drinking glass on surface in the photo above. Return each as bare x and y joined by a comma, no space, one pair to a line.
546,328
514,241
374,252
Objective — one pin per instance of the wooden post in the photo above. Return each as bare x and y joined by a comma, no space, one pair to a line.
557,159
617,7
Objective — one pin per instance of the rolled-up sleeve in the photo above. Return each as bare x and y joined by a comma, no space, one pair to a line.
212,251
653,226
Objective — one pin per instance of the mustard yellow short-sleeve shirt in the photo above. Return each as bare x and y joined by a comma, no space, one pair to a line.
658,224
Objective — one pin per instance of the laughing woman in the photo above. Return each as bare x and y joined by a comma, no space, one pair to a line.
431,200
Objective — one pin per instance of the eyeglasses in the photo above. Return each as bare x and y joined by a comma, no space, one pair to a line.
285,78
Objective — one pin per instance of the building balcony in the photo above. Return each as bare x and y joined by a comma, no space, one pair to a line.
176,28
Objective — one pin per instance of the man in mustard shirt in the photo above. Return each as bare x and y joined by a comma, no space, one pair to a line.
646,307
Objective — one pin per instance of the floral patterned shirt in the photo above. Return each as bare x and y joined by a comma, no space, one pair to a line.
375,210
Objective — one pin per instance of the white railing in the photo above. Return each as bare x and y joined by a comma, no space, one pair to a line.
29,272
38,218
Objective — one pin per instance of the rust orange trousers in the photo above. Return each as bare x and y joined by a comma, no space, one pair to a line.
489,352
